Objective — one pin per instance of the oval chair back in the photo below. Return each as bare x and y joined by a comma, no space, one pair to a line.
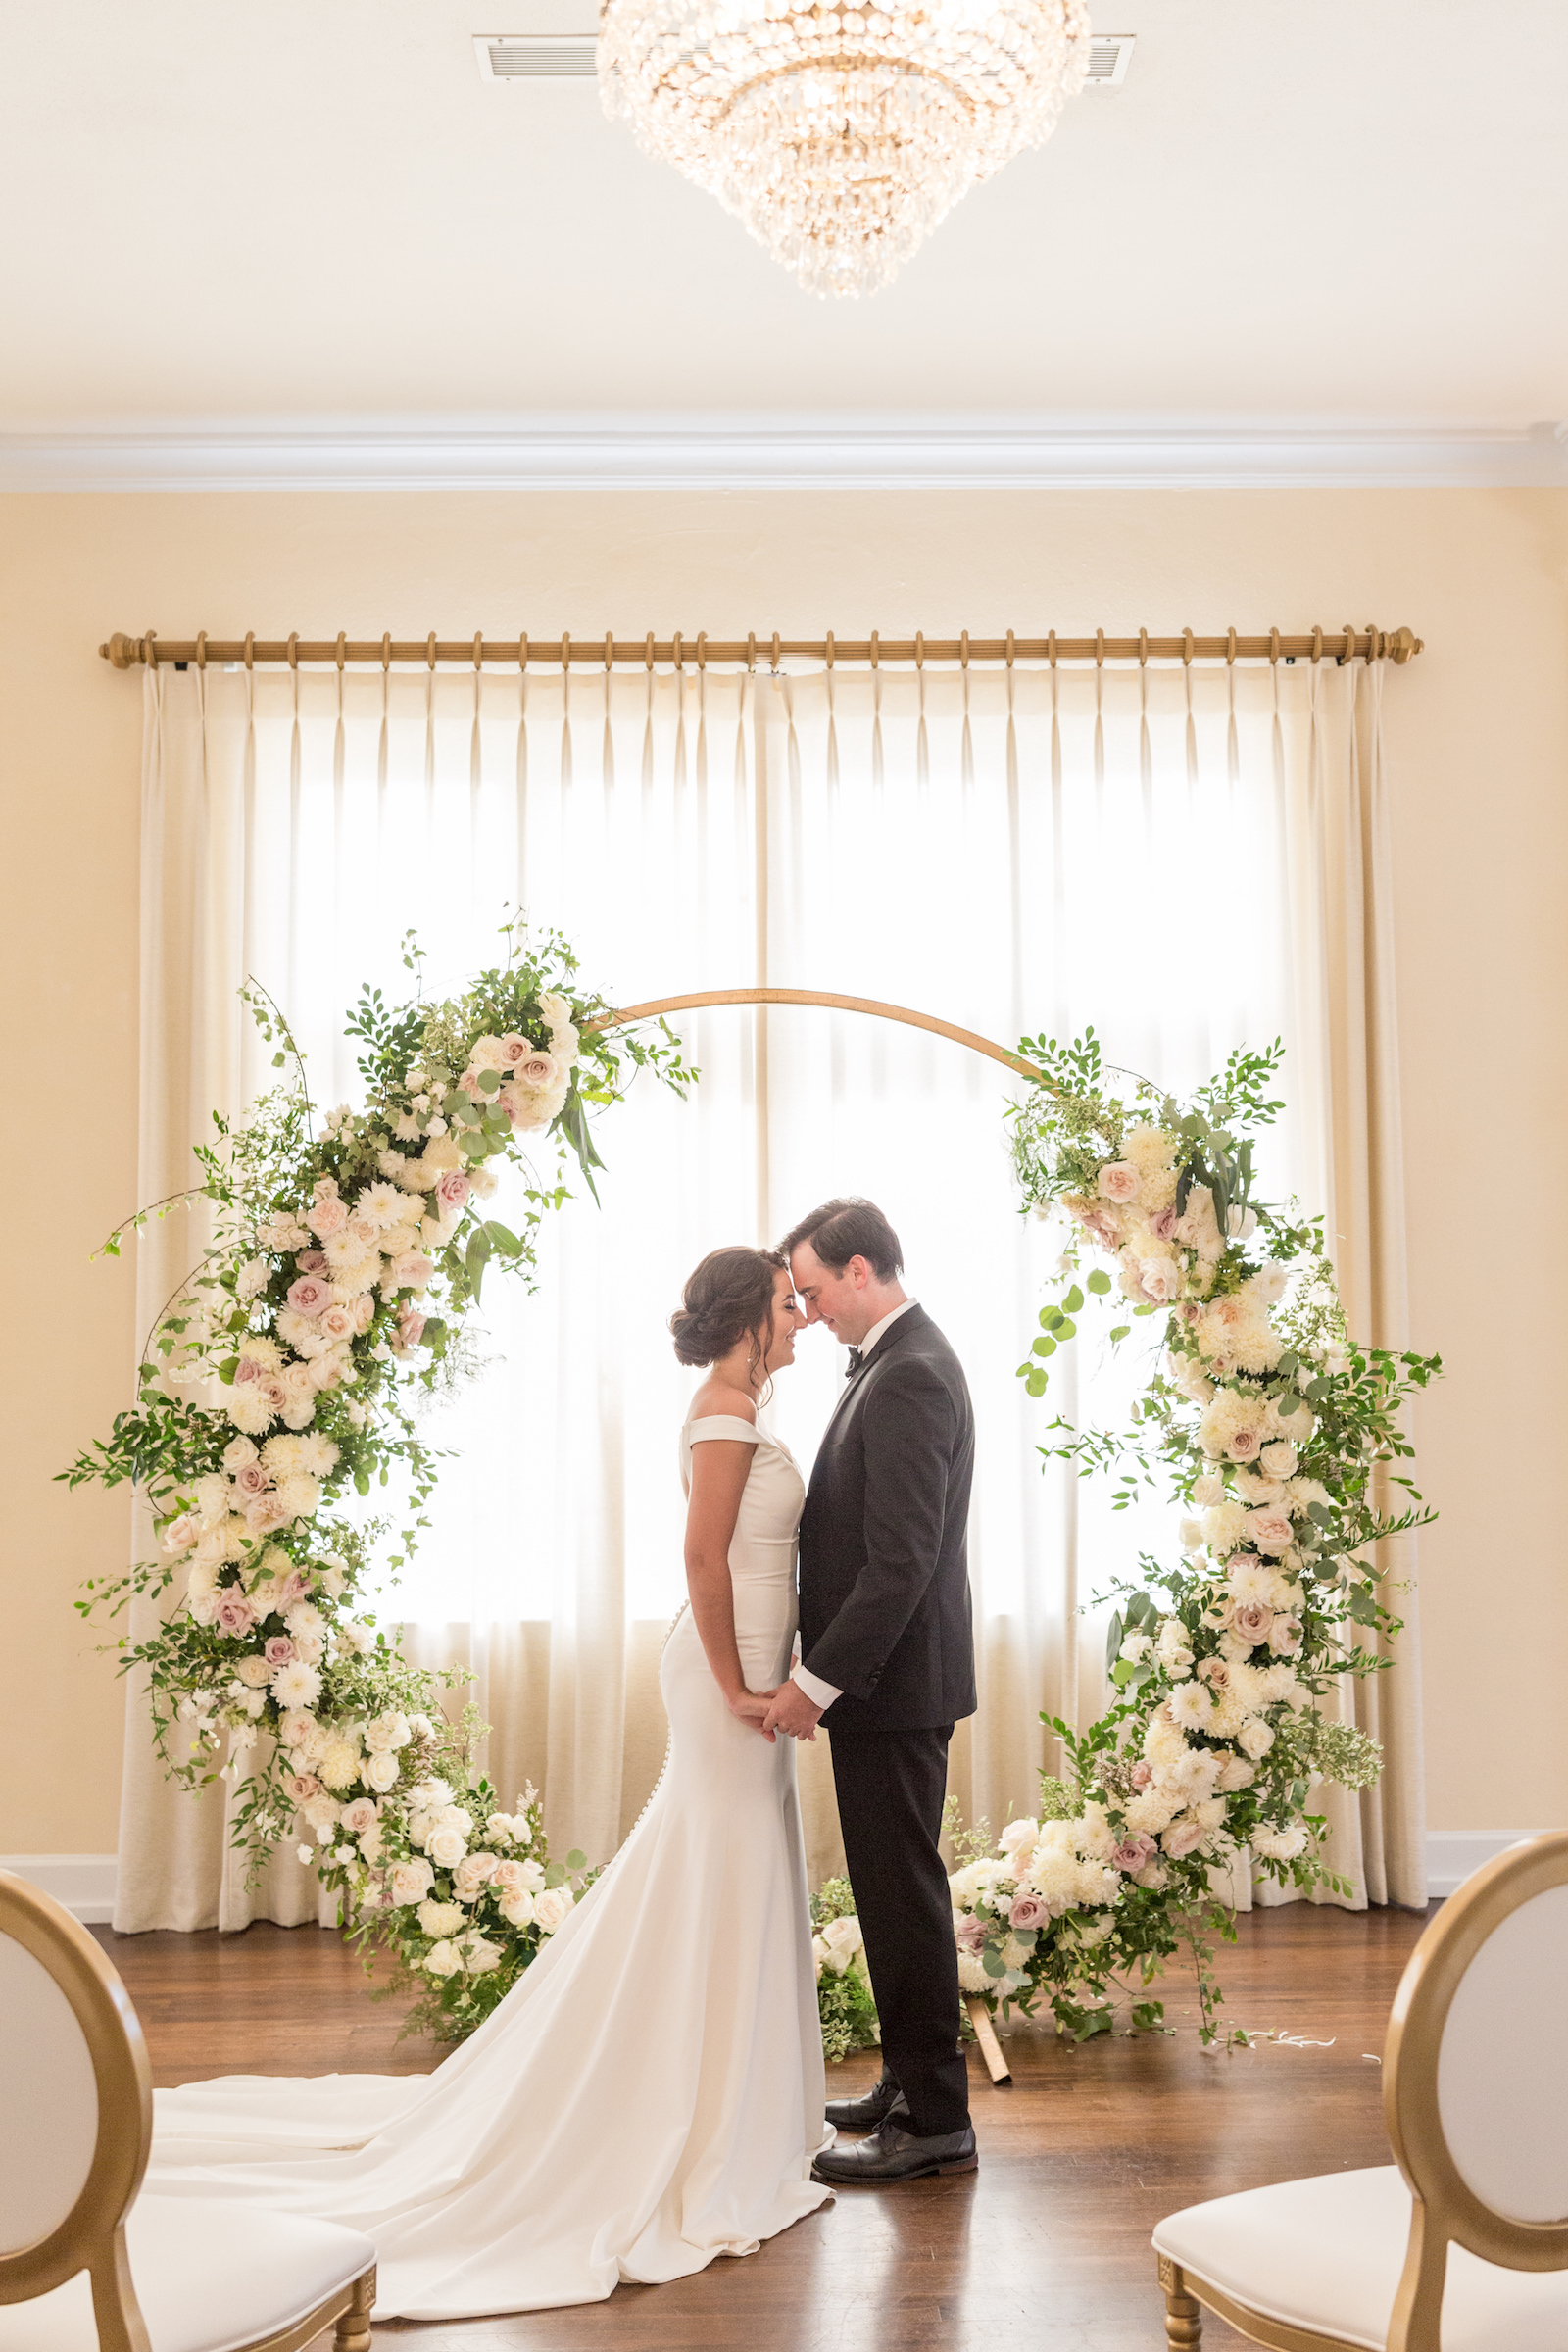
1475,2080
76,2113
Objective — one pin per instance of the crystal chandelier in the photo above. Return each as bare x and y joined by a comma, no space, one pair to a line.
840,135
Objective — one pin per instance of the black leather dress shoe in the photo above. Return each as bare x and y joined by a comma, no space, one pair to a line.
891,2154
883,2099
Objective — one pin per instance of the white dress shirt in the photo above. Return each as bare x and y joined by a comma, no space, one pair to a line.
821,1693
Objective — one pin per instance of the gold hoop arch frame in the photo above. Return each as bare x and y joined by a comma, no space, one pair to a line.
811,995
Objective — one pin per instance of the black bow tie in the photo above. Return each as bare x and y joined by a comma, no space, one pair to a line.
853,1363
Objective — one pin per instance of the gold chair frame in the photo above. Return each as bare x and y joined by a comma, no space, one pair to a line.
1445,2211
92,2236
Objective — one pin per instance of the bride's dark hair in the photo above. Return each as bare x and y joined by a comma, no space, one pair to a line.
730,1294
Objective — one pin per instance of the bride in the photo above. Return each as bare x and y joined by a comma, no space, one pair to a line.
649,2093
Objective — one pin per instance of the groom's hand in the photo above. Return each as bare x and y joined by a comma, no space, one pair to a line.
792,1712
751,1706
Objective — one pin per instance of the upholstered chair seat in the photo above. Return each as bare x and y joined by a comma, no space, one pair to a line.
1325,2256
1462,2244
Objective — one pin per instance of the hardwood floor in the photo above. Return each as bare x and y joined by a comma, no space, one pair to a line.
1045,2248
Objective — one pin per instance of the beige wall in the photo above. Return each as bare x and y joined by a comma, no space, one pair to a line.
1478,736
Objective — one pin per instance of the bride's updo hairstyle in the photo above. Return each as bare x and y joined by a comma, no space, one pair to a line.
730,1294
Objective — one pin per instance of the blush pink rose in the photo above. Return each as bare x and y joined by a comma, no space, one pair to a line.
1251,1620
337,1321
1182,1838
1026,1913
1132,1854
292,1588
247,1370
410,1272
266,1514
312,1261
1163,1225
1243,1444
514,1049
363,1311
1270,1529
1100,1225
310,1294
539,1069
279,1650
233,1614
1191,1312
357,1817
252,1480
969,1932
1118,1182
326,1216
1141,1774
301,1786
1160,1279
1284,1637
513,1877
454,1189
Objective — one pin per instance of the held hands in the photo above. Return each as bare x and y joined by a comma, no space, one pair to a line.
752,1706
792,1712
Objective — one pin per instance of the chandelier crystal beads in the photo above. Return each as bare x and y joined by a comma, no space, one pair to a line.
840,135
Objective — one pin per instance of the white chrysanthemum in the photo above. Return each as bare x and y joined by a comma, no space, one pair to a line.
318,1456
249,1409
1298,1426
300,1411
299,1494
1279,1845
1192,1704
1147,1813
1228,1717
263,1351
382,1203
1234,1422
1096,1840
297,1685
1224,1527
972,1976
339,1763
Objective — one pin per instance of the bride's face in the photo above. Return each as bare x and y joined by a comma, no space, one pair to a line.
789,1317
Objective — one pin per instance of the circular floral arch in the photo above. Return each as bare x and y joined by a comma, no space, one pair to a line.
345,1251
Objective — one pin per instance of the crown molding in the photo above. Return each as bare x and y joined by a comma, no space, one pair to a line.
764,450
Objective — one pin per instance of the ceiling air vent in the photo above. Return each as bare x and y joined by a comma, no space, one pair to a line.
534,56
1109,56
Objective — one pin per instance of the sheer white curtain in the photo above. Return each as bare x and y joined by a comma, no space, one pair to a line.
1032,851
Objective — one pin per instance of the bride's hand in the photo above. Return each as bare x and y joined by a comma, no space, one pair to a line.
751,1706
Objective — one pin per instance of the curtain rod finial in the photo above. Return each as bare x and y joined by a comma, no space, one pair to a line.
121,652
1403,646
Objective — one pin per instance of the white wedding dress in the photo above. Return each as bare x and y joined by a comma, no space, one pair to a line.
649,2093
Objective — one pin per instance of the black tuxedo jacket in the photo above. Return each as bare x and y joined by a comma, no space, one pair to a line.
884,1611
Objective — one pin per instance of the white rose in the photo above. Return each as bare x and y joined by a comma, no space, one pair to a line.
381,1771
1236,1774
1207,1491
446,1848
553,1907
238,1455
481,1954
411,1881
443,1960
254,1673
518,1908
1256,1738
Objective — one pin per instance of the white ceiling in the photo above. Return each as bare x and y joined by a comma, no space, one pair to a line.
1356,209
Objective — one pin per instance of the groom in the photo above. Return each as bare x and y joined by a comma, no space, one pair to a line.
887,1656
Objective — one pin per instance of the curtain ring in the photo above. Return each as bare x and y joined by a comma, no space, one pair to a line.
149,648
919,649
875,647
1050,648
386,652
201,649
674,649
565,651
829,648
1010,649
342,638
751,652
1274,645
1143,649
963,649
523,648
610,651
702,649
479,652
429,648
1349,654
294,649
1374,643
250,649
1187,649
1317,643
775,652
1100,649
1229,646
647,651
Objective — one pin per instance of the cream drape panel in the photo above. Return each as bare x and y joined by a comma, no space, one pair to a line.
1185,860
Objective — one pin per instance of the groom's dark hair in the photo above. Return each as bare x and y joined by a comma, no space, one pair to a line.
844,1229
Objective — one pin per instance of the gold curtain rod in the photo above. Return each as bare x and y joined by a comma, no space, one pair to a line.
1339,645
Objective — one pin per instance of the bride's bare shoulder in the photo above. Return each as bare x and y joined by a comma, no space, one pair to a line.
716,1400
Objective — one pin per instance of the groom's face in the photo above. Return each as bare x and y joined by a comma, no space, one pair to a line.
837,1296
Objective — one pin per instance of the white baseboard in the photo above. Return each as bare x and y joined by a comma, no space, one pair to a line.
83,1884
1454,1855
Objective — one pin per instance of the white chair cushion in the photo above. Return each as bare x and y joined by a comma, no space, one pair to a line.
211,2273
1327,2254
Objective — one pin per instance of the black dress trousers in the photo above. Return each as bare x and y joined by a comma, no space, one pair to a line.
890,1785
